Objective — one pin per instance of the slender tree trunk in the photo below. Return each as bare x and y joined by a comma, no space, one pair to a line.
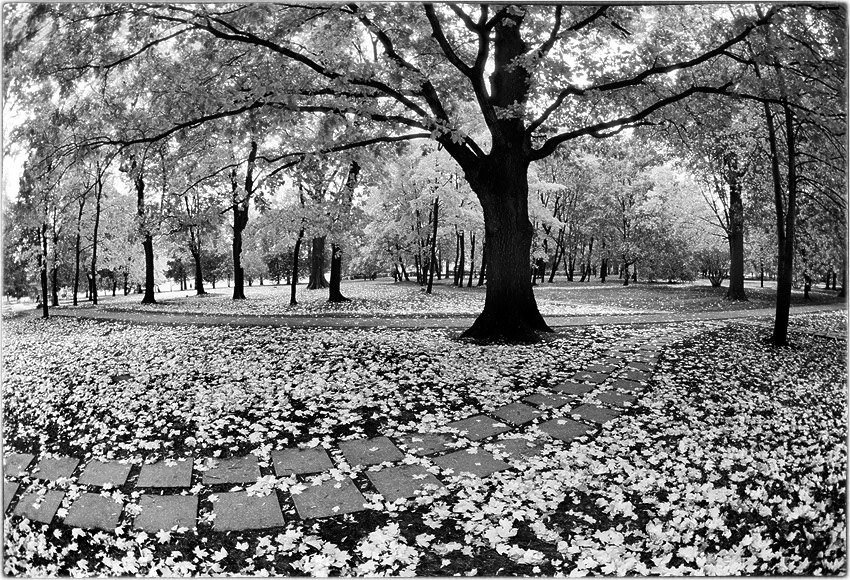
77,249
317,265
54,280
437,269
97,198
126,285
785,230
510,310
199,274
471,260
435,265
589,255
294,281
462,266
335,294
149,270
559,249
42,259
240,220
483,271
626,274
114,285
762,273
842,293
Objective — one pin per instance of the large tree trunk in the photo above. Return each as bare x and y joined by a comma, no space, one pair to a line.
54,280
483,271
735,233
240,220
149,273
510,310
317,265
335,294
199,273
294,279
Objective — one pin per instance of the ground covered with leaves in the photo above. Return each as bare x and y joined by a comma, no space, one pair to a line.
732,462
388,299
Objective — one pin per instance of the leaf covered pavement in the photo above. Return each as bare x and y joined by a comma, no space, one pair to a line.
732,462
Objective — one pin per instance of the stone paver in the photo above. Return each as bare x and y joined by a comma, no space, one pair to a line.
101,473
596,414
161,474
518,448
53,468
10,488
475,461
640,366
590,377
15,464
617,399
164,512
401,482
237,511
301,461
627,385
479,427
612,360
330,498
544,401
426,443
234,470
93,511
634,375
370,451
565,429
517,413
572,388
602,368
46,507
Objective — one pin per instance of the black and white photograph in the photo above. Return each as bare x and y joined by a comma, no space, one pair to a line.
440,289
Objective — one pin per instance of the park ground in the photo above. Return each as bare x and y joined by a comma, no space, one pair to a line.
717,453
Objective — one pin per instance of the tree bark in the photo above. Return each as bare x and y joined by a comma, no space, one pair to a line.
42,258
199,273
82,203
735,232
335,294
471,260
149,273
434,264
317,265
483,271
54,280
510,310
294,280
97,199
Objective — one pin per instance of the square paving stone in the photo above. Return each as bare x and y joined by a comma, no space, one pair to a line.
596,414
370,451
164,512
565,429
10,488
479,427
518,448
627,385
634,375
46,509
602,368
640,366
572,388
517,413
102,473
590,377
544,401
92,510
401,482
613,360
160,474
53,468
426,443
234,470
330,498
300,461
16,464
616,399
240,511
475,461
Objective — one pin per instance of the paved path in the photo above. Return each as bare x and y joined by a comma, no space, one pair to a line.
417,322
504,438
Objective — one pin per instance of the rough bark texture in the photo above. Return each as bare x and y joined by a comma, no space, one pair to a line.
785,231
82,203
434,264
510,310
97,199
42,264
471,260
335,293
735,232
149,273
199,273
241,201
294,279
317,265
483,271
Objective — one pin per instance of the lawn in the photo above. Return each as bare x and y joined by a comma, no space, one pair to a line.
388,299
732,460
